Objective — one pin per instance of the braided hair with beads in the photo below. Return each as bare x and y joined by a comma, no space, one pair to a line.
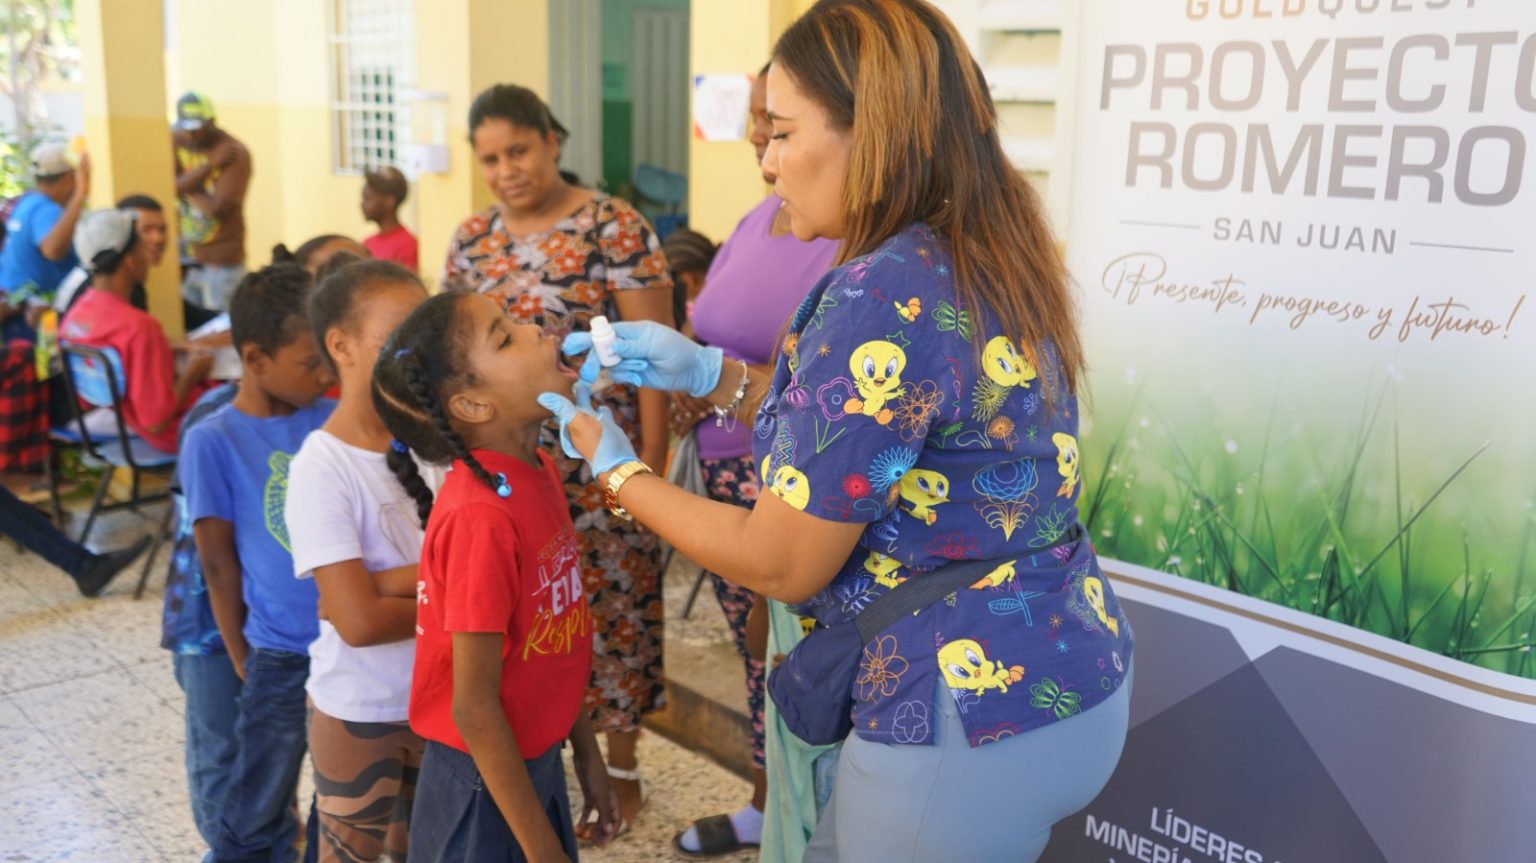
421,367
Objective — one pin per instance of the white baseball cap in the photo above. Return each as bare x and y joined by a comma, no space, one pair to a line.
103,237
51,160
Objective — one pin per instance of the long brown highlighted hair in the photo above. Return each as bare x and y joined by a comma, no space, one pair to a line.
926,149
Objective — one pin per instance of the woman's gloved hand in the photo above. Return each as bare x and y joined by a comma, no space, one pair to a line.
594,436
652,355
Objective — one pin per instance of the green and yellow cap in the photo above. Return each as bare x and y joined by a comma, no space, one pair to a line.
193,111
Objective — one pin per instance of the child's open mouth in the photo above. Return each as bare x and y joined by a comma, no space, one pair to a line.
565,367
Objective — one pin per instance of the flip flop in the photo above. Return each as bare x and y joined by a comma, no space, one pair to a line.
717,838
624,825
585,840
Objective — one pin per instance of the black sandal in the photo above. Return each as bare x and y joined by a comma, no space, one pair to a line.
717,838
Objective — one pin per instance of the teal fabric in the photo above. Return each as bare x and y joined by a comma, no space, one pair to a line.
795,797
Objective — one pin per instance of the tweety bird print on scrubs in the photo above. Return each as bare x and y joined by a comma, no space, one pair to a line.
896,405
876,368
1005,370
997,577
966,666
924,490
789,485
1066,462
883,568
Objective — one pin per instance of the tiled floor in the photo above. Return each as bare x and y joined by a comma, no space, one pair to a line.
91,729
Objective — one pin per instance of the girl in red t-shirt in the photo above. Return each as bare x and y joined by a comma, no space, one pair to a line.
503,631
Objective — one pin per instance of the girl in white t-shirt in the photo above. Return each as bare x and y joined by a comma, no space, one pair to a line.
357,533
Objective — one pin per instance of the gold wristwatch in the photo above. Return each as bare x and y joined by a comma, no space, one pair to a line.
616,480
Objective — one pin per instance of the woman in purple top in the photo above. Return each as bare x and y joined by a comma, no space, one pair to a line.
757,279
759,276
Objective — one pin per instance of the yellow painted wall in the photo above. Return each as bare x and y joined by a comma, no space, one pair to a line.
315,199
723,180
238,75
267,67
462,47
726,38
270,88
442,64
123,77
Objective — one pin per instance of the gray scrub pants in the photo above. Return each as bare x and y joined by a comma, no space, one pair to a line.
949,803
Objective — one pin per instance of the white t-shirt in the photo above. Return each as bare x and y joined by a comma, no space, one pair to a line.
344,504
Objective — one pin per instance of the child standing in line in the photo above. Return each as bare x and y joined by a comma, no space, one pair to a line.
384,191
504,637
198,659
356,532
234,468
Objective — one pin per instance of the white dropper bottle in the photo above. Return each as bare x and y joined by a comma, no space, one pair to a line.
603,337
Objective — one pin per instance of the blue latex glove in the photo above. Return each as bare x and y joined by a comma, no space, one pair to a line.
581,398
613,448
654,356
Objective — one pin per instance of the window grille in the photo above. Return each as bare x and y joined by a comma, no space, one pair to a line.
373,62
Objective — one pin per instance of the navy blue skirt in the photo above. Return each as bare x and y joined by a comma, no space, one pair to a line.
454,818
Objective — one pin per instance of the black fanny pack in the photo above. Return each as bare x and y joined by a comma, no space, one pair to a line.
813,687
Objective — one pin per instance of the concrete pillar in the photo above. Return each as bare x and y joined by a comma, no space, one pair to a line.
462,47
123,69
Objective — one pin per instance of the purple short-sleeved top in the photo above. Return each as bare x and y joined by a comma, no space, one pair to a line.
752,288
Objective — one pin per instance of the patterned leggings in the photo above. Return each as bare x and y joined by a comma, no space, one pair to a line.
365,784
734,480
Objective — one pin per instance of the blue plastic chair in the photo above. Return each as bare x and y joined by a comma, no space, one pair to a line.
94,376
60,438
669,189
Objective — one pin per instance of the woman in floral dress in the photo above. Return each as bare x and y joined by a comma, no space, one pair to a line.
556,255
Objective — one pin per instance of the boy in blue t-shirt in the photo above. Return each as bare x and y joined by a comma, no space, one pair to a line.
234,470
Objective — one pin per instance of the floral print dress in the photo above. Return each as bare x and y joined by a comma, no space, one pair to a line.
560,279
894,406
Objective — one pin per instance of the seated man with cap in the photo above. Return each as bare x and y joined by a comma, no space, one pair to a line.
155,396
153,233
37,253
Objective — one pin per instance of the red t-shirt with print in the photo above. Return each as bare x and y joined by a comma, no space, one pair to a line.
511,566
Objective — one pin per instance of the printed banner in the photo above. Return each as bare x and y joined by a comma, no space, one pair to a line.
1303,235
1305,244
1265,735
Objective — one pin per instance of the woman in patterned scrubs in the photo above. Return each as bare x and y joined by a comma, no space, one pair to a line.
556,255
921,410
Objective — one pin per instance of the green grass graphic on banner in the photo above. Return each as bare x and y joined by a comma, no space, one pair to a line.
1331,520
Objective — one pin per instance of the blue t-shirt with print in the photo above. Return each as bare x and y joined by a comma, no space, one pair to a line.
22,265
894,405
187,625
234,467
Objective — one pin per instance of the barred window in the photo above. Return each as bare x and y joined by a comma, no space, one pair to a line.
373,63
